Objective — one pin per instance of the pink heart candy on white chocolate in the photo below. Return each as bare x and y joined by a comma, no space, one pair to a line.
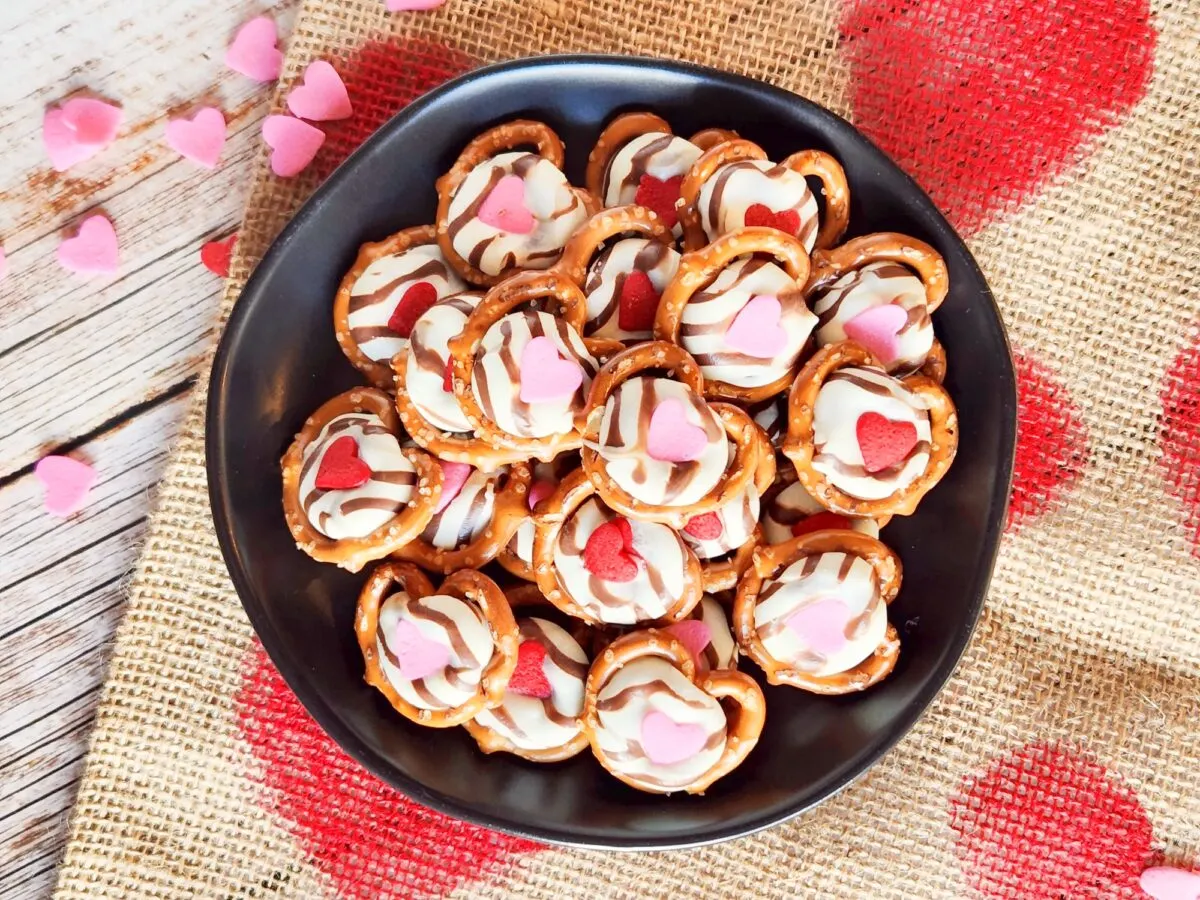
504,207
756,330
454,476
693,634
877,329
417,655
671,437
545,375
667,742
821,625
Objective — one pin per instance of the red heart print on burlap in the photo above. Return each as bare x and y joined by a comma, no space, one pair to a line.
372,842
1179,436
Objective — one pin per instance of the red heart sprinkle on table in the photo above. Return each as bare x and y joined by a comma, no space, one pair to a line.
529,677
786,220
638,302
341,467
609,552
660,196
216,255
704,527
883,442
414,304
820,522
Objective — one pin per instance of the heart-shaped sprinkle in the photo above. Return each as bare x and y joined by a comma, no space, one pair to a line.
93,250
529,677
417,655
671,437
545,375
609,552
787,220
660,196
78,130
882,442
667,742
66,483
253,52
200,139
820,522
694,635
1169,883
704,527
448,376
413,5
504,207
414,304
822,625
294,143
877,329
323,95
216,255
756,330
539,491
454,476
341,467
638,302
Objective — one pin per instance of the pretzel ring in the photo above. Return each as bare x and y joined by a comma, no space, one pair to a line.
547,725
884,246
486,146
716,156
750,443
509,509
517,555
822,166
466,619
628,729
939,444
411,485
465,351
619,132
561,558
873,586
604,225
707,138
789,510
699,269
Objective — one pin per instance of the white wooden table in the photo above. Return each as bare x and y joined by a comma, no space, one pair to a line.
100,368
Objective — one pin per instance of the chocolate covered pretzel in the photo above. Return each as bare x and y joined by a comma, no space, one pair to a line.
351,493
517,556
789,510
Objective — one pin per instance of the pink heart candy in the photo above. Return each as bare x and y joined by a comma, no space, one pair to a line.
667,742
413,5
539,491
822,625
294,143
545,375
504,207
93,250
418,656
323,95
694,635
454,476
755,330
200,139
1169,883
253,52
78,130
671,437
876,329
66,483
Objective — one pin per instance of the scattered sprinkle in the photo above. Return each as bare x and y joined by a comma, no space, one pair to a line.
322,97
253,52
294,143
78,130
93,250
66,482
216,255
200,138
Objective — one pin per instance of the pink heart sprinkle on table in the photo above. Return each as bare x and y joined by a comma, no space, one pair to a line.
93,250
322,97
253,52
504,207
694,635
78,130
454,476
822,625
756,331
417,655
66,483
200,138
667,742
294,143
877,329
545,375
1169,883
671,437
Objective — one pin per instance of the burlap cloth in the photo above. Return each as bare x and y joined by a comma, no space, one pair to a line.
1063,139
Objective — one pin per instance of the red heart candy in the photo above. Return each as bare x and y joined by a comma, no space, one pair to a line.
416,300
529,677
638,303
819,522
704,527
216,255
660,196
787,220
882,442
609,552
448,376
341,468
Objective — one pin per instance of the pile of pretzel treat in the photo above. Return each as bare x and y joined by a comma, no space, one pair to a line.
622,438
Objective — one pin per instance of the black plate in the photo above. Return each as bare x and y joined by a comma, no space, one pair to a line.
278,361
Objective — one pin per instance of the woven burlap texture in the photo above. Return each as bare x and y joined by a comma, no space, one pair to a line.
1089,636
